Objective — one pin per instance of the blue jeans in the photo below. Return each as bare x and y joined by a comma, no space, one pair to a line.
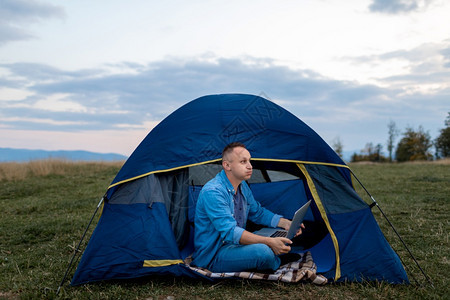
237,258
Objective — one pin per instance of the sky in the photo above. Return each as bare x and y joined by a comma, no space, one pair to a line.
99,75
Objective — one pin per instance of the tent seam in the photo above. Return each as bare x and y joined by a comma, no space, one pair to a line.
321,208
218,159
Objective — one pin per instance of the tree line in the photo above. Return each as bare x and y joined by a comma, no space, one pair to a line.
414,145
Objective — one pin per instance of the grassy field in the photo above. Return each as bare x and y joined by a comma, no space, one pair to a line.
45,207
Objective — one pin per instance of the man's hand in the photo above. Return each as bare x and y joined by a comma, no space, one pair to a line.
285,224
278,245
299,231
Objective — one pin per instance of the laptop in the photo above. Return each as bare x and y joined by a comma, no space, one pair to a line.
295,225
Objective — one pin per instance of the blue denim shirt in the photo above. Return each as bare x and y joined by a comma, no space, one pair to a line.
215,224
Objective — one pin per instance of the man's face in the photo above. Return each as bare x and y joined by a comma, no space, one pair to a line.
238,164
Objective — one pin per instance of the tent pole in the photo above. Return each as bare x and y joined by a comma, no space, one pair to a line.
395,230
79,244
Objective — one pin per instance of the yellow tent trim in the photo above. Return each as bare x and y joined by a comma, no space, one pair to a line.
302,162
219,159
166,170
319,204
162,262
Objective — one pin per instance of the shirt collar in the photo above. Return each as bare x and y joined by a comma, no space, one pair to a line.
227,182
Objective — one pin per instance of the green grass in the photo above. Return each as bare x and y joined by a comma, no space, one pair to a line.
44,215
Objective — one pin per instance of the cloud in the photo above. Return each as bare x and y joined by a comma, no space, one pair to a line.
425,67
129,96
42,72
416,95
134,94
17,15
398,6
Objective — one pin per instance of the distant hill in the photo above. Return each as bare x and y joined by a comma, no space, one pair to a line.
23,155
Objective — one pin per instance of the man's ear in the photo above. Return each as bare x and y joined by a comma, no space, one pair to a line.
226,165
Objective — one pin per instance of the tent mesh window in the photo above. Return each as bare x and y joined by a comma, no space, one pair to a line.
278,186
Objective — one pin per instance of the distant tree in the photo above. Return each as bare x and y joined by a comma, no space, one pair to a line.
377,153
392,135
414,145
337,146
370,153
442,142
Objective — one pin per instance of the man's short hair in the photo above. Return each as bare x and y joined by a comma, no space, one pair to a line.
229,148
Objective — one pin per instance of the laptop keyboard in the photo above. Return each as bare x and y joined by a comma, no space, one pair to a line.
279,233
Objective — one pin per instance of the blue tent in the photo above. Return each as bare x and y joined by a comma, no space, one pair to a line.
146,226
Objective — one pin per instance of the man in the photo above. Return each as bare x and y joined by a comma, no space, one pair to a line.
225,203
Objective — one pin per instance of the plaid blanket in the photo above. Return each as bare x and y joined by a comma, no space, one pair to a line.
303,269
